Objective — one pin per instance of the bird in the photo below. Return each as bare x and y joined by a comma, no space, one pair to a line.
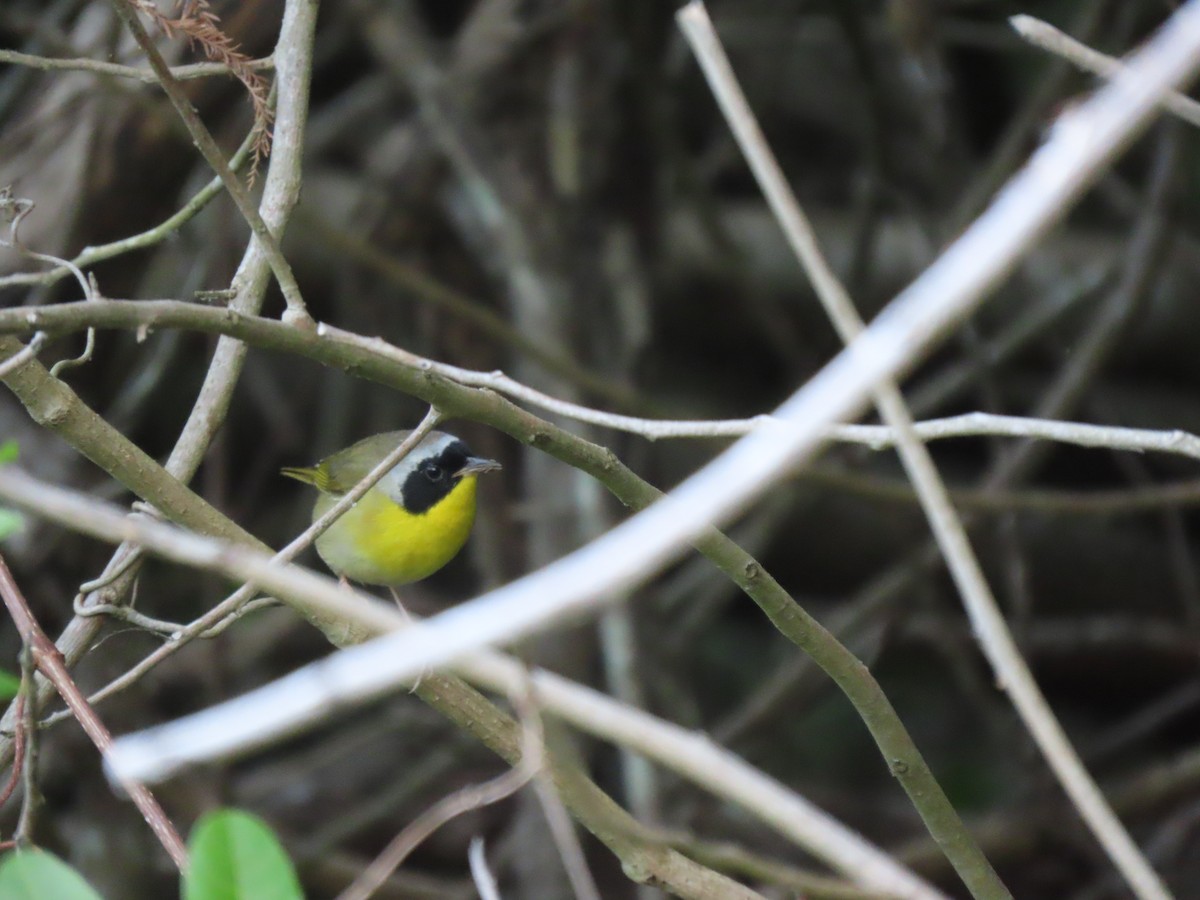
412,522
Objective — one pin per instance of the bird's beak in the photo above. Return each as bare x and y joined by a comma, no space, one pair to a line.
477,464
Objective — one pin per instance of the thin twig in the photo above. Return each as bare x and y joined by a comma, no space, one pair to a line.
1115,502
18,208
217,619
473,796
1047,37
89,347
1011,670
729,857
296,314
562,831
202,27
30,352
146,76
485,881
152,236
32,796
50,663
18,762
136,314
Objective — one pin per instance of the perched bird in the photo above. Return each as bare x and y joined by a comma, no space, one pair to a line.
408,525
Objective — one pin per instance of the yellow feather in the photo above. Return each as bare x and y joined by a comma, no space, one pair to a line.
314,475
378,541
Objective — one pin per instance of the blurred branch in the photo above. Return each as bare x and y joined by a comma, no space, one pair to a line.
495,326
473,796
729,857
1115,502
130,465
979,424
690,753
27,757
1011,833
1023,128
1047,37
146,76
92,255
1040,316
485,881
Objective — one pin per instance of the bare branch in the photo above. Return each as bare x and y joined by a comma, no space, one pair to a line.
346,349
485,881
146,76
50,663
473,796
1046,36
690,753
1011,671
296,313
30,351
54,404
92,255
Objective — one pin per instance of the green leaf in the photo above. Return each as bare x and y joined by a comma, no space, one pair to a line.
38,875
235,856
10,522
8,452
10,686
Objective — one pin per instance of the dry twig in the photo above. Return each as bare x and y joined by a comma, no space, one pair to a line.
50,663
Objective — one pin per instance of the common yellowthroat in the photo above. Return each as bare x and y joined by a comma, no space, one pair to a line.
408,525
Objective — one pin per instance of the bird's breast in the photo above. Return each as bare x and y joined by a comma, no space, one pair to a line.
378,541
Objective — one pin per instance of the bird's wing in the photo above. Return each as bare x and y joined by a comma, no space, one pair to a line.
346,468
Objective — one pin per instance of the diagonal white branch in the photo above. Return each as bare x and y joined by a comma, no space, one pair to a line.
1047,37
1085,140
691,754
987,622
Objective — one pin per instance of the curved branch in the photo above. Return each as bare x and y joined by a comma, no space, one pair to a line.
65,318
374,359
692,755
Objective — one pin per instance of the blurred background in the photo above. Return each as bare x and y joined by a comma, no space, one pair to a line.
548,188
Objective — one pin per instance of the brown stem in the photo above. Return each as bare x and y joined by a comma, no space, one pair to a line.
49,662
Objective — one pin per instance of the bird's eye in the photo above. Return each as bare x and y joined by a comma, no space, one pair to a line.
433,472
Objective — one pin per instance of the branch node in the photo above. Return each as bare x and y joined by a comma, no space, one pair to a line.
298,317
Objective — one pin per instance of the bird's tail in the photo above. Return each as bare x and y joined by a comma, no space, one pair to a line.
313,475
